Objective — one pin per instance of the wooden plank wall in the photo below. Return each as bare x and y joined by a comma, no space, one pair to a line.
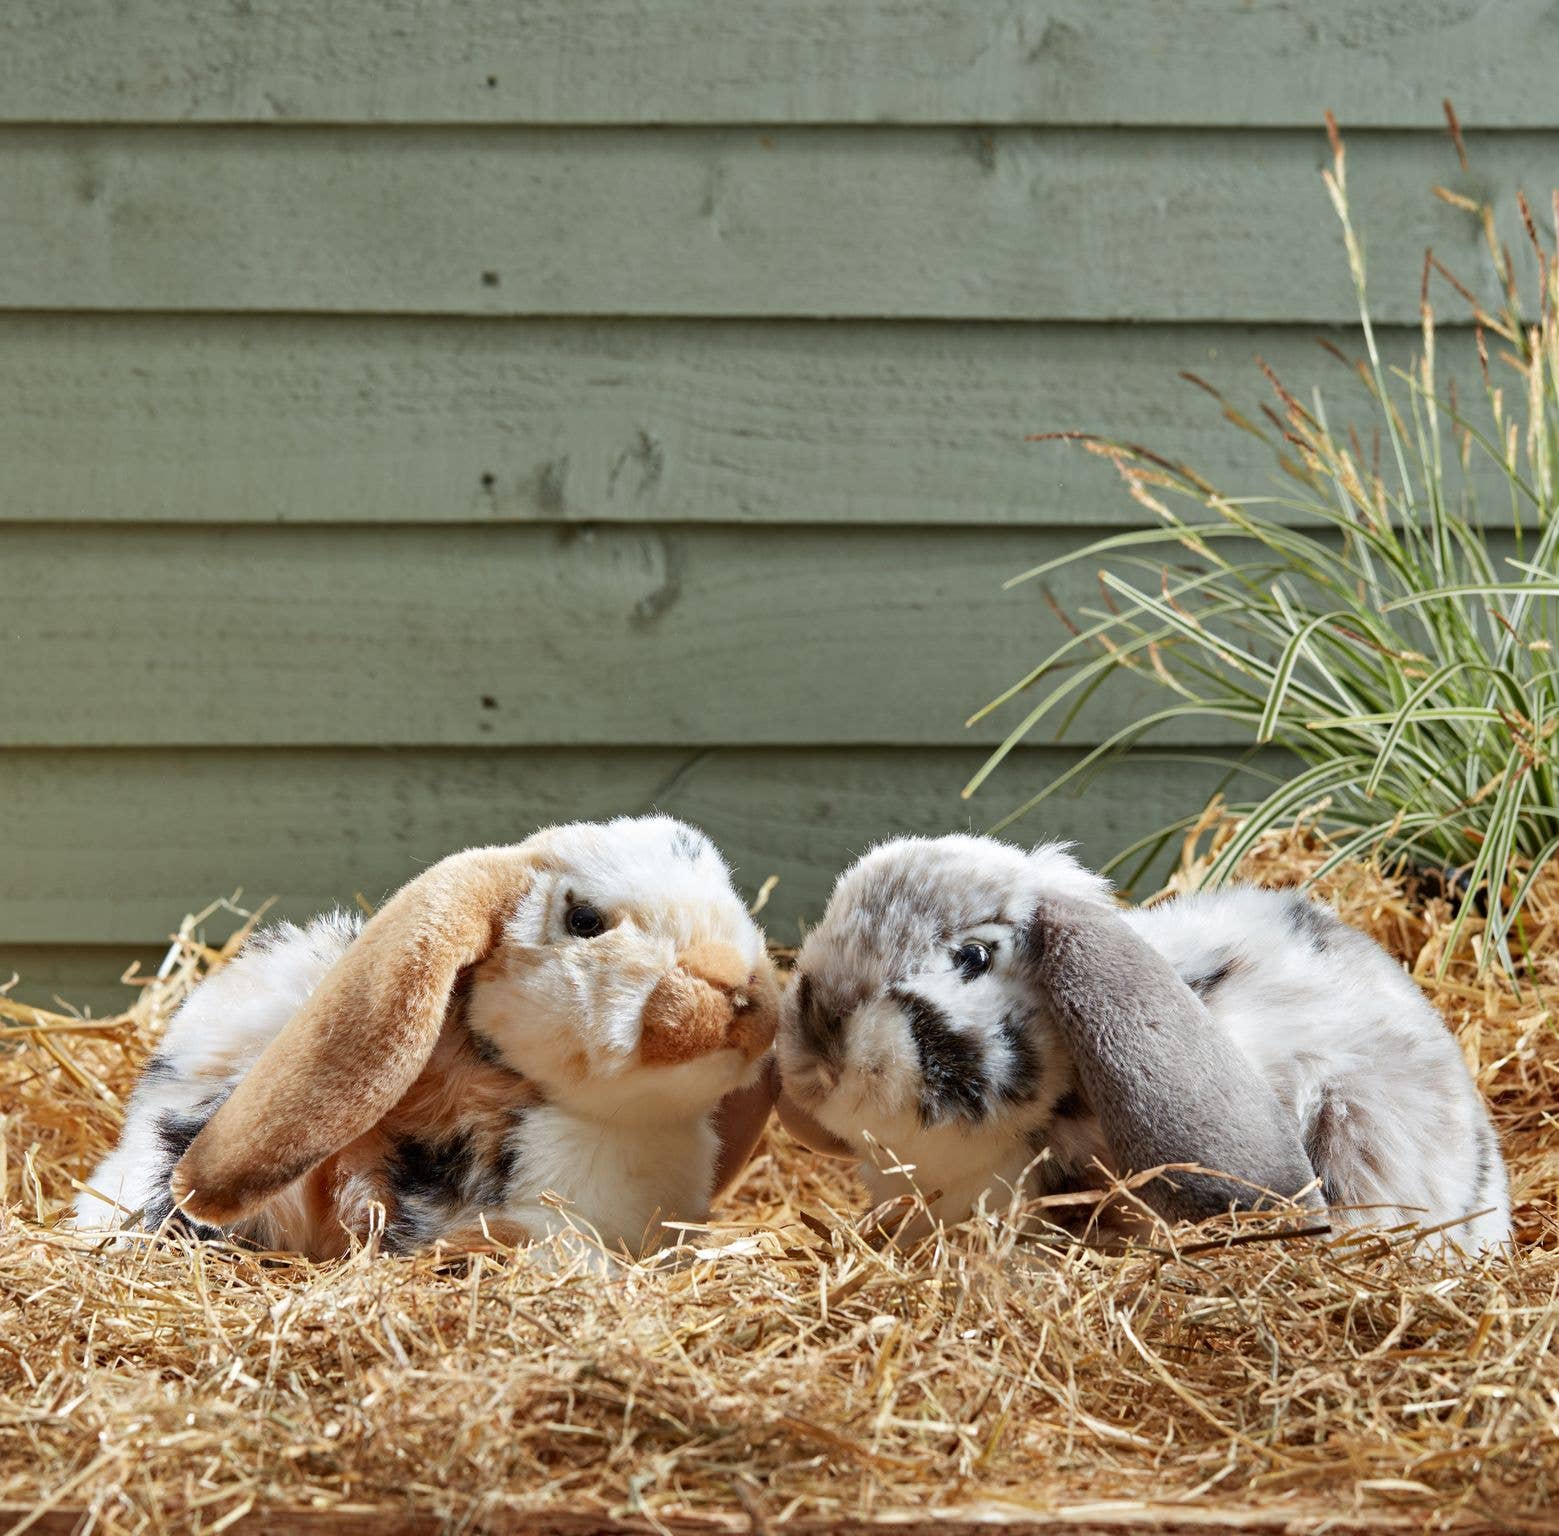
420,421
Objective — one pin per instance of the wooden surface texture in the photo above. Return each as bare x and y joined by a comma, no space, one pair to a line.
1233,63
422,421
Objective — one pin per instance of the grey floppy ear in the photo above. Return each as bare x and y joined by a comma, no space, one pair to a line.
1167,1084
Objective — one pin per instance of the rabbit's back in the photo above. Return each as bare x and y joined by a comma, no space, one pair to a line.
1389,1114
210,1044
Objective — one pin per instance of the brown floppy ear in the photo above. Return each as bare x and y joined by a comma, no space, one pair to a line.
739,1120
350,1053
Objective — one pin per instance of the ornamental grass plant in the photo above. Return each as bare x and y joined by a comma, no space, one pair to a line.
1377,615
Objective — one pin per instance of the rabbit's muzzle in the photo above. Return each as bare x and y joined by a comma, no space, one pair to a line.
710,1001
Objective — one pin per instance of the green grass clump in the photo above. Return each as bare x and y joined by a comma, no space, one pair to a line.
1410,671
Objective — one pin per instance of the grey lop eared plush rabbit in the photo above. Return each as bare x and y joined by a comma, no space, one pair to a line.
997,1024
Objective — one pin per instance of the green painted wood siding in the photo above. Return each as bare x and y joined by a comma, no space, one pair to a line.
1232,63
848,223
422,421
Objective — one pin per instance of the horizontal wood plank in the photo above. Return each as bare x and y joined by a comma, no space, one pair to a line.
217,419
779,61
515,636
113,848
80,978
907,223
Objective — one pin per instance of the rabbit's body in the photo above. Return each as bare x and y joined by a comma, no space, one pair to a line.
1246,1030
556,1090
207,1049
1390,1118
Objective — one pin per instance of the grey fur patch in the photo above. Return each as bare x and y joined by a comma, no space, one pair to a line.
820,1028
175,1130
159,1069
1323,1144
1071,1106
1313,923
900,910
1485,1161
1023,1065
953,1080
891,894
432,1182
1205,983
428,1181
690,844
1168,1084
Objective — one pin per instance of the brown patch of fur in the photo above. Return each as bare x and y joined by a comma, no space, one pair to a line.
718,964
499,1234
690,1011
356,1047
349,1184
456,1094
739,1120
683,1019
753,1029
322,1201
458,1090
711,1002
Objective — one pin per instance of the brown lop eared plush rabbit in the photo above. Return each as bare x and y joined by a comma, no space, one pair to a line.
566,1033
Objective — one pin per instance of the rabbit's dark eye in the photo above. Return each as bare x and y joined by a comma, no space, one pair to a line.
583,921
972,959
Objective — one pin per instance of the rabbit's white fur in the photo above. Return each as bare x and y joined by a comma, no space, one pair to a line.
968,1082
621,1141
1354,1049
210,1043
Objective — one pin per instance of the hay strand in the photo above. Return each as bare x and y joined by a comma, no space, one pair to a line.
785,1370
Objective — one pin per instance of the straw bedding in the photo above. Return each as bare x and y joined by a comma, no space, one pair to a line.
787,1371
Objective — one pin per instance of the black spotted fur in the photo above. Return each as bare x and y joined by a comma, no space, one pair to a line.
953,1073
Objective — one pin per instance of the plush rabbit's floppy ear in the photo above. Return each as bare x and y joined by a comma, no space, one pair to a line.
354,1048
1168,1085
